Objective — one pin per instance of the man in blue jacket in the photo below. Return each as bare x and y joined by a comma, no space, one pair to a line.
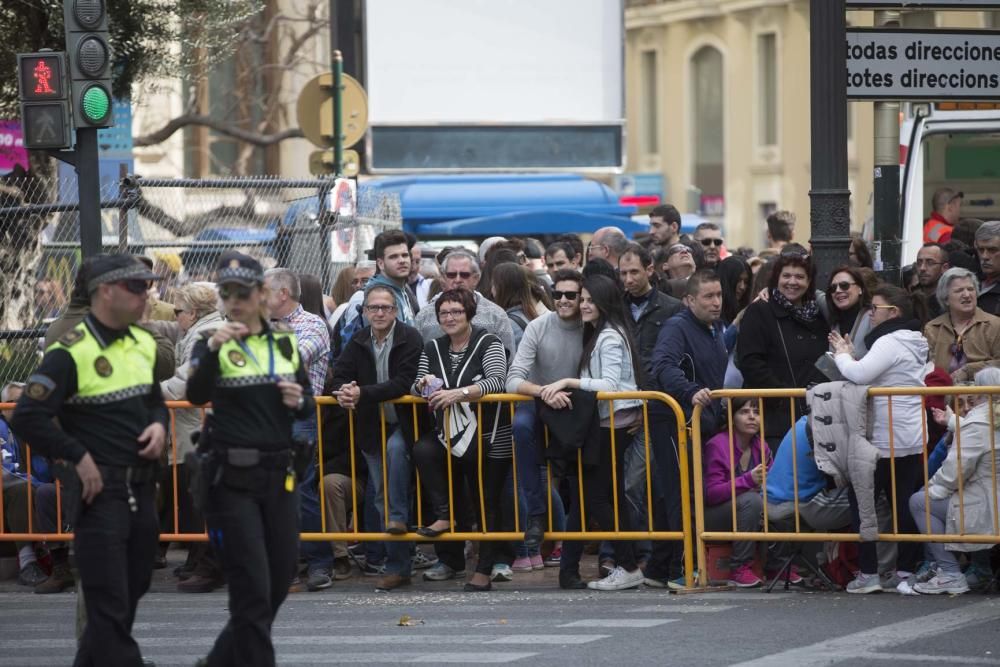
689,361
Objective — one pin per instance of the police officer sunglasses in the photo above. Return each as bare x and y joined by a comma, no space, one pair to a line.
135,286
241,292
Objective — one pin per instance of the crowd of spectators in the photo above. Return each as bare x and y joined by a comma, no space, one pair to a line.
683,315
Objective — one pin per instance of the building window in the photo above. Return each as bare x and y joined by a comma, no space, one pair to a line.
707,117
648,105
767,77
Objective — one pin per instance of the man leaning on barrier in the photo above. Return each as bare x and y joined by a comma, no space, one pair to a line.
689,361
379,364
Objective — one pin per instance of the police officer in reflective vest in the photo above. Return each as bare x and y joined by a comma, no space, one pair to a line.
97,378
251,372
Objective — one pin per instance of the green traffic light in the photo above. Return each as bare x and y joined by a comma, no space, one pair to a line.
96,104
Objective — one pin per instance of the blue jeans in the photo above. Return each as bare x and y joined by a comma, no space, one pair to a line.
528,446
399,472
558,511
316,554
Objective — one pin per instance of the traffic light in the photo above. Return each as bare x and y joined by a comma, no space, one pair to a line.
45,113
89,54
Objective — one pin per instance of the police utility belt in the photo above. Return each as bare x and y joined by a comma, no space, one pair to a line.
239,457
129,475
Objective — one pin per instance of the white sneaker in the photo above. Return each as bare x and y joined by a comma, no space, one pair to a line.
619,580
865,583
953,584
502,572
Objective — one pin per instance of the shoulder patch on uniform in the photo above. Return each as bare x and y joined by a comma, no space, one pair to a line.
71,337
39,387
285,347
237,359
103,367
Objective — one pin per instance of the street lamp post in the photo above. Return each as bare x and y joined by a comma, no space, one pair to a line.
830,200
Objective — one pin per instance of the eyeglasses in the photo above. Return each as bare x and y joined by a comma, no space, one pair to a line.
875,308
379,308
450,313
451,275
178,311
842,286
593,246
135,286
710,242
241,292
569,296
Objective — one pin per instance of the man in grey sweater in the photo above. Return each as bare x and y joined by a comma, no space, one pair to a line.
550,350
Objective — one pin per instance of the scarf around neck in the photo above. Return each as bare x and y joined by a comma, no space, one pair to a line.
806,313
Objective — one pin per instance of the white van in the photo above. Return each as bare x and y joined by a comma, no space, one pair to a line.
955,145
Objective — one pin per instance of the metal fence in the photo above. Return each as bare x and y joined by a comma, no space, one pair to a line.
182,224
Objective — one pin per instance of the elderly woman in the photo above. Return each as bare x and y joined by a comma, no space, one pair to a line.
965,338
464,364
974,511
196,306
780,340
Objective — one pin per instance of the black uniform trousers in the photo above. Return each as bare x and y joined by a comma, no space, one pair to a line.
115,548
253,524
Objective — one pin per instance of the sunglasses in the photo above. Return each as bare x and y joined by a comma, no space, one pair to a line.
710,242
842,286
451,275
135,286
241,292
569,296
178,311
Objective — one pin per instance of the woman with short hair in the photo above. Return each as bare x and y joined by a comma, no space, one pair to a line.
965,338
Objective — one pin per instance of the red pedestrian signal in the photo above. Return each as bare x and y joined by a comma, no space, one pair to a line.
41,76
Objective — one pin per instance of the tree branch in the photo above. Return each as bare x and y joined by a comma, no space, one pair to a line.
220,126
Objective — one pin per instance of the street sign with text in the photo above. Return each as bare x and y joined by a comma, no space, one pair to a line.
923,65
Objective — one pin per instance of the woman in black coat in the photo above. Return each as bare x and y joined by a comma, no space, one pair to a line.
780,340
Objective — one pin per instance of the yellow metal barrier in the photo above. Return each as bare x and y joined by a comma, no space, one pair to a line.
685,534
768,535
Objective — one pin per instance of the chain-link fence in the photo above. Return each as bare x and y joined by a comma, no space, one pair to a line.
182,225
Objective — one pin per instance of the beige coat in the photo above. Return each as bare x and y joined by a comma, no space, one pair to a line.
980,342
976,470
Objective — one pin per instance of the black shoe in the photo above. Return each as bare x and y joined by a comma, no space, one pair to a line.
535,531
571,581
424,531
470,587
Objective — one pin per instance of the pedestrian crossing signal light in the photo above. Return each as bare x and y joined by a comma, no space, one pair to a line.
45,113
89,52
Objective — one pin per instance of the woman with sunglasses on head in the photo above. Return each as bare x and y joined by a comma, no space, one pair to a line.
196,307
251,372
896,357
965,339
464,364
848,301
609,362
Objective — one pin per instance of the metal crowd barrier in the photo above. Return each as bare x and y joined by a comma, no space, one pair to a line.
798,535
414,404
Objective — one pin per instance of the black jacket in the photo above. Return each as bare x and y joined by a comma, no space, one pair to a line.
989,300
573,429
661,307
357,363
762,358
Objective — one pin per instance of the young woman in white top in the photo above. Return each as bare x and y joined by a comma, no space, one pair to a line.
609,362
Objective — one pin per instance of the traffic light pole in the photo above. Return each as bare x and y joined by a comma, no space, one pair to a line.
84,159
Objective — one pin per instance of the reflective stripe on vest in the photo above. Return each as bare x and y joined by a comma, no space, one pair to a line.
934,232
238,369
122,370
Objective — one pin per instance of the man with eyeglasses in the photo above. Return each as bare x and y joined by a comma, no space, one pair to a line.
378,364
98,380
709,235
550,350
460,270
608,243
680,262
932,262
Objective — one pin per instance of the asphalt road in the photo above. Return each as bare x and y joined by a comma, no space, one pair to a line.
529,621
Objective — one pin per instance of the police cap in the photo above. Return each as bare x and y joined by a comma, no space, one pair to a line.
235,267
102,269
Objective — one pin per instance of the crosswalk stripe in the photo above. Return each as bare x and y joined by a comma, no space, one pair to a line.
618,623
678,609
546,639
